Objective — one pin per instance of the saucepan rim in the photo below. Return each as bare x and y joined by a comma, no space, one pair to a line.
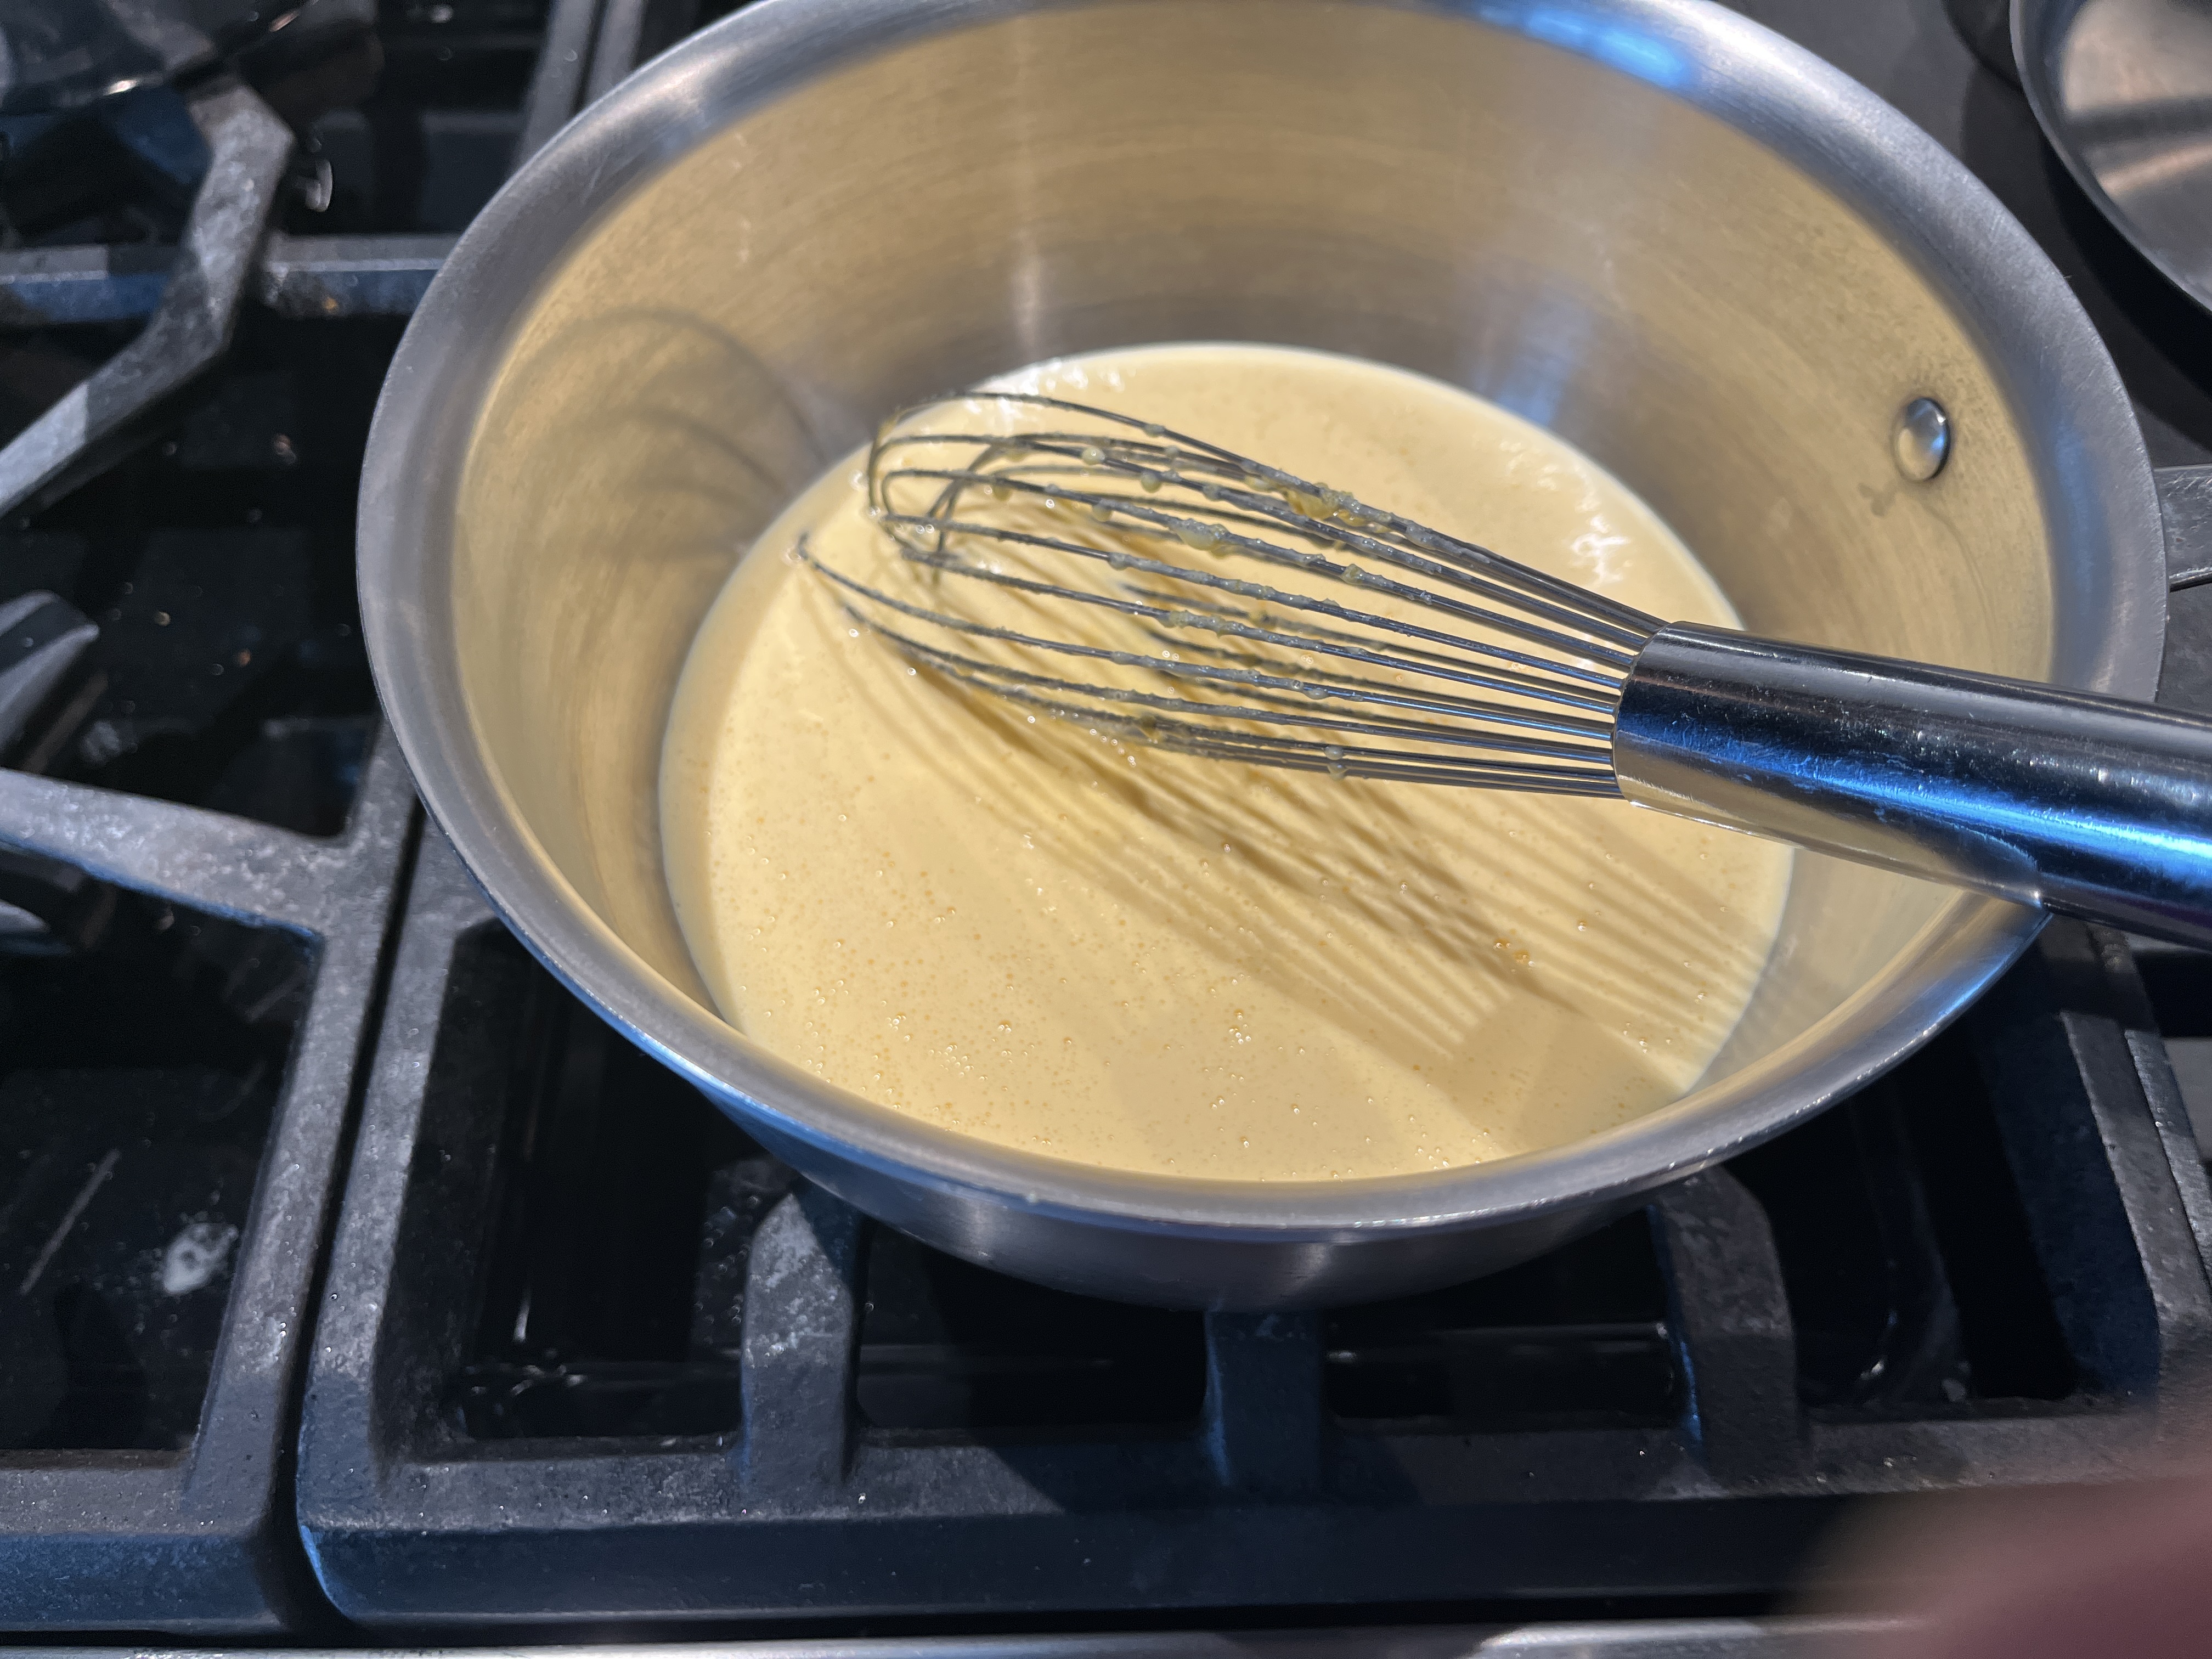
2098,497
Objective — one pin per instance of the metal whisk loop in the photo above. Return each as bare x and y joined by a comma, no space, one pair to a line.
1261,707
1062,548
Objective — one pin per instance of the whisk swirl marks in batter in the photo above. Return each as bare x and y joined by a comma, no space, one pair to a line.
1103,950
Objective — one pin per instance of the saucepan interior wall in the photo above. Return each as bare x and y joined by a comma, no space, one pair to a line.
1400,184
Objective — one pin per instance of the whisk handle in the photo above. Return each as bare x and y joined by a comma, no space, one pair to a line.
2082,805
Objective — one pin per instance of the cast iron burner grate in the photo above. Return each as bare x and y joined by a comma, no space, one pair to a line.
1575,1339
589,1354
130,1154
202,836
178,1036
109,1331
202,848
583,1350
217,566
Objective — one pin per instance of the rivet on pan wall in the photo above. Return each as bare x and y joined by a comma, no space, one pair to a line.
1920,442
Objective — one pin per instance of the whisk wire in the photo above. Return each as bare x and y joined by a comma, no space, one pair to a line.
1541,681
1177,450
1183,617
1212,663
1150,520
1254,685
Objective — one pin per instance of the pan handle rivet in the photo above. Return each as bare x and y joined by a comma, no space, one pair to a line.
1920,442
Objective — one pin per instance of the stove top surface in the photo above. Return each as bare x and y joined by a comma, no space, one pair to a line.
365,1287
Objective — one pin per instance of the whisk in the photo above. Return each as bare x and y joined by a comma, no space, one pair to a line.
1161,589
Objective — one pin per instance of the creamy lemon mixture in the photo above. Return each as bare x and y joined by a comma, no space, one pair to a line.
1036,934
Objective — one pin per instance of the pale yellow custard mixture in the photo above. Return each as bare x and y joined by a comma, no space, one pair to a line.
1099,950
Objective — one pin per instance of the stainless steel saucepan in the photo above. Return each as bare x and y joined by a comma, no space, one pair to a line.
1723,269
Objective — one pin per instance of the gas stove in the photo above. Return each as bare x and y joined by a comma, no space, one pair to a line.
359,1287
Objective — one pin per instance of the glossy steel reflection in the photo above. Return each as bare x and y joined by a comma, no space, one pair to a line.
1717,266
2124,90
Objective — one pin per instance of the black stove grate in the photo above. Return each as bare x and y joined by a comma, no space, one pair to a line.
581,1351
131,1154
128,1192
1912,1272
946,1350
692,1385
1578,1338
217,565
176,1069
609,1250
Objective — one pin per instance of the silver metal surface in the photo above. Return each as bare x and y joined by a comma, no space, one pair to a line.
681,310
1216,578
199,303
1656,1638
2124,91
1921,441
2078,803
1102,570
